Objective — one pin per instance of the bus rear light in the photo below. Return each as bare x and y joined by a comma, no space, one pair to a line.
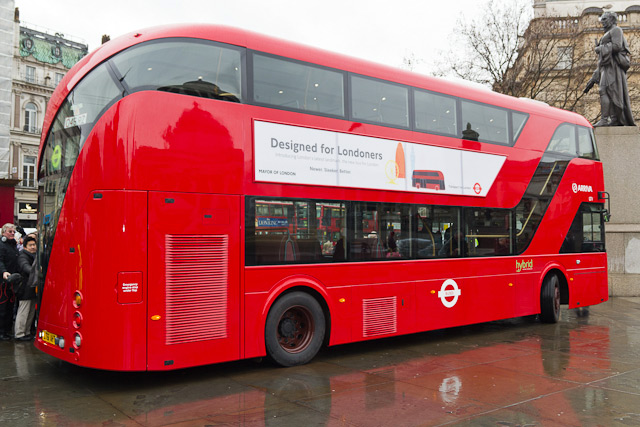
77,340
60,342
77,320
77,299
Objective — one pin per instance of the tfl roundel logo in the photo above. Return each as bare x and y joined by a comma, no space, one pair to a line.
449,289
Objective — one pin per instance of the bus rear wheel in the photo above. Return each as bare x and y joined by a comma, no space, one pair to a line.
295,329
550,299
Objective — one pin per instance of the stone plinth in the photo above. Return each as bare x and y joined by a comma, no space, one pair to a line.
619,149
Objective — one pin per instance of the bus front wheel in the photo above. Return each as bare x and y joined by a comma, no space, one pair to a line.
295,329
550,299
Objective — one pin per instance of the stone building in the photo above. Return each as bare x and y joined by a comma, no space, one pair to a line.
40,60
6,60
557,57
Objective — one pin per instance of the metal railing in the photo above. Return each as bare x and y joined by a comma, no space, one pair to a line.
32,129
29,183
37,80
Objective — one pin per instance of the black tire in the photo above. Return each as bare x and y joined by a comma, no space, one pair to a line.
295,329
550,299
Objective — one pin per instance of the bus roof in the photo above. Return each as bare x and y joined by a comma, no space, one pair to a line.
275,46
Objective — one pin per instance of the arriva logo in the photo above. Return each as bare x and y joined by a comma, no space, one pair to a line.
524,265
581,188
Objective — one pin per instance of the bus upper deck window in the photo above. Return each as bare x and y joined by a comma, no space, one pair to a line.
564,140
518,120
436,113
377,101
187,67
484,122
586,145
297,86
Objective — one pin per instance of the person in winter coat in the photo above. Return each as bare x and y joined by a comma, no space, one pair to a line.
26,295
8,265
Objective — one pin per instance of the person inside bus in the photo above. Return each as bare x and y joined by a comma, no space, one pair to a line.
327,247
391,242
470,134
454,245
392,246
502,246
338,250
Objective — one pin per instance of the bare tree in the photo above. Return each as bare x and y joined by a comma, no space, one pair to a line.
487,47
548,59
555,61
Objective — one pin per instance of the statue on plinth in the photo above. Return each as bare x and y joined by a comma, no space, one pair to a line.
611,74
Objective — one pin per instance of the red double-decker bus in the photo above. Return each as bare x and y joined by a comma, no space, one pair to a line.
162,148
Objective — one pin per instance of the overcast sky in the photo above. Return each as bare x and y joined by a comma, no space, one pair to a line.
383,31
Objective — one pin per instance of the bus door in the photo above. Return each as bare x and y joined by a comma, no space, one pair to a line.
490,245
193,314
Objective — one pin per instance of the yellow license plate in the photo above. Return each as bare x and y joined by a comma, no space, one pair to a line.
49,337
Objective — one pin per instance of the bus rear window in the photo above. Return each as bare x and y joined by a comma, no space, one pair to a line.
188,67
75,120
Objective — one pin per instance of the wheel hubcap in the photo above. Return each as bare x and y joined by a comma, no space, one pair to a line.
295,329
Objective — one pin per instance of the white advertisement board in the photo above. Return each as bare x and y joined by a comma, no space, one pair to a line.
299,155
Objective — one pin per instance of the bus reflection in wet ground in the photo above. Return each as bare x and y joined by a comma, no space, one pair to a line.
582,371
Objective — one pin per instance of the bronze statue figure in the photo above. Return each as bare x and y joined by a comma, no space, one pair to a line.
611,74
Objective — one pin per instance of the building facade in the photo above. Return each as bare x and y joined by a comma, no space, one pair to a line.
565,8
557,57
6,62
40,61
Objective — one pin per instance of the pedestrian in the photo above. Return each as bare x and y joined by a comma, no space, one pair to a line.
18,238
26,295
8,265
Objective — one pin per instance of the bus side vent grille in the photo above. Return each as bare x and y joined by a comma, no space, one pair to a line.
196,288
380,316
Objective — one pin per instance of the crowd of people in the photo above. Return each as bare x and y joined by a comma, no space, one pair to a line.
17,290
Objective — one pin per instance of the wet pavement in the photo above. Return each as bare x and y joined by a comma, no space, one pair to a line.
585,370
